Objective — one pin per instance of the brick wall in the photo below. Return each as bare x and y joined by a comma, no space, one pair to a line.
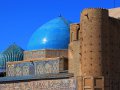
97,50
74,32
44,54
74,58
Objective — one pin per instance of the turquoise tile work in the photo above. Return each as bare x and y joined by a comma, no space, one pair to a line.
12,53
54,34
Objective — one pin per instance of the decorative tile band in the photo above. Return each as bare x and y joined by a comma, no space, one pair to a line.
60,84
36,67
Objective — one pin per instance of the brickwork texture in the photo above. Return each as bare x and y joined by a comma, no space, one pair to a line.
94,48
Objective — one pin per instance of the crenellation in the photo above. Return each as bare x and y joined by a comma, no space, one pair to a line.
74,32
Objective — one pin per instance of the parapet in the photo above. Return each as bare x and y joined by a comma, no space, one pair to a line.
74,31
95,12
45,53
94,9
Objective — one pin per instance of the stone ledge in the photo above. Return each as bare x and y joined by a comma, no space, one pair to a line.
30,78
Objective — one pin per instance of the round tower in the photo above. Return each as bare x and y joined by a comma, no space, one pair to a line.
94,42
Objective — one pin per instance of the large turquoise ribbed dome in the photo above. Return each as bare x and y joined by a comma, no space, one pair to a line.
54,34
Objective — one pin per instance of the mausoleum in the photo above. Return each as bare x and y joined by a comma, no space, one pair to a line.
67,56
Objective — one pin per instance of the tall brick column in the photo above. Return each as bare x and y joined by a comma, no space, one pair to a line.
94,43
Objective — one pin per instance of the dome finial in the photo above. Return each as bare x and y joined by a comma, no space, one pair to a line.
60,15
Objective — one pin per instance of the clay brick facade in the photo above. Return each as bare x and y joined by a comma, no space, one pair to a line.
95,49
74,32
45,54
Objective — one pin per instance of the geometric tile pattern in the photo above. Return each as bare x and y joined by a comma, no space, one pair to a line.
60,84
45,67
35,67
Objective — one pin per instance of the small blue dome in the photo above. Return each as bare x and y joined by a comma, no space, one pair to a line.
12,53
54,34
1,63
